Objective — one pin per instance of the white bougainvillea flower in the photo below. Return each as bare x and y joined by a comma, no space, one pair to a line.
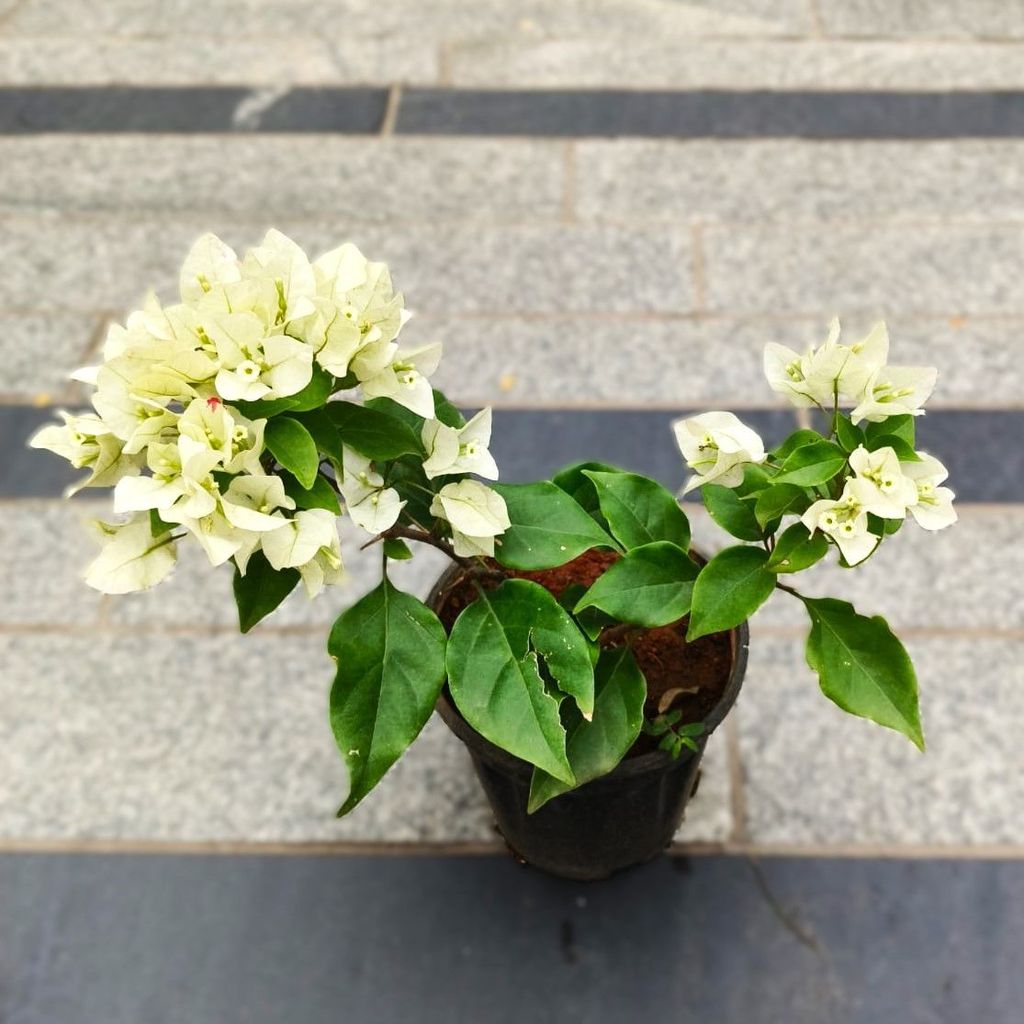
333,334
179,481
826,375
210,425
862,361
895,391
324,568
890,491
281,261
405,380
371,505
459,449
716,446
475,513
131,558
806,380
251,503
219,540
254,366
210,262
933,509
846,520
88,443
362,289
299,540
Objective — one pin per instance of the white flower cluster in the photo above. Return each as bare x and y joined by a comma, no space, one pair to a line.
165,435
717,446
884,486
858,374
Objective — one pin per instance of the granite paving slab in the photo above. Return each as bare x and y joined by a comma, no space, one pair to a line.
814,775
942,19
445,19
897,181
871,269
106,263
216,737
653,62
358,180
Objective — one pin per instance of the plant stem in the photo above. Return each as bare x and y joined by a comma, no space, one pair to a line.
789,590
620,632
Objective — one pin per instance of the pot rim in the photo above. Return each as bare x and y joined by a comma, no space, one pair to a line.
649,763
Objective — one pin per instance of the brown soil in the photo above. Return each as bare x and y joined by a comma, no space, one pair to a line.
667,661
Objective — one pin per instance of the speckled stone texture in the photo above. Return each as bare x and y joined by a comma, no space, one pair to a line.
813,775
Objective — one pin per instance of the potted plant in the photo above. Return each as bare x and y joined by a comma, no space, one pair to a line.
577,645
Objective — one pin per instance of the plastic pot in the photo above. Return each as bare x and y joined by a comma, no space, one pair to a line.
624,818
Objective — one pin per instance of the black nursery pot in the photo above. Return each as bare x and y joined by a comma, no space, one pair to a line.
624,818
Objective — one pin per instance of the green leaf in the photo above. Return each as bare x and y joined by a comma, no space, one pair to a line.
849,436
323,431
812,464
157,526
649,586
904,452
446,412
494,672
261,590
729,589
902,426
407,477
731,512
397,549
639,510
574,481
315,394
548,527
320,495
373,433
797,549
798,439
776,501
595,748
291,444
863,667
390,649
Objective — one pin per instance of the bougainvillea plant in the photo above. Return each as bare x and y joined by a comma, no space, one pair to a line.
274,398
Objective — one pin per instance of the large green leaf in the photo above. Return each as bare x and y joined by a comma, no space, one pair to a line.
389,649
903,427
798,439
261,590
291,444
494,672
320,495
323,431
373,433
574,481
729,589
904,452
774,502
639,510
863,667
649,586
849,436
796,548
731,512
594,748
812,464
548,527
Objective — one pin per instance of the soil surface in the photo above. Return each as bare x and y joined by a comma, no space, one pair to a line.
698,671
